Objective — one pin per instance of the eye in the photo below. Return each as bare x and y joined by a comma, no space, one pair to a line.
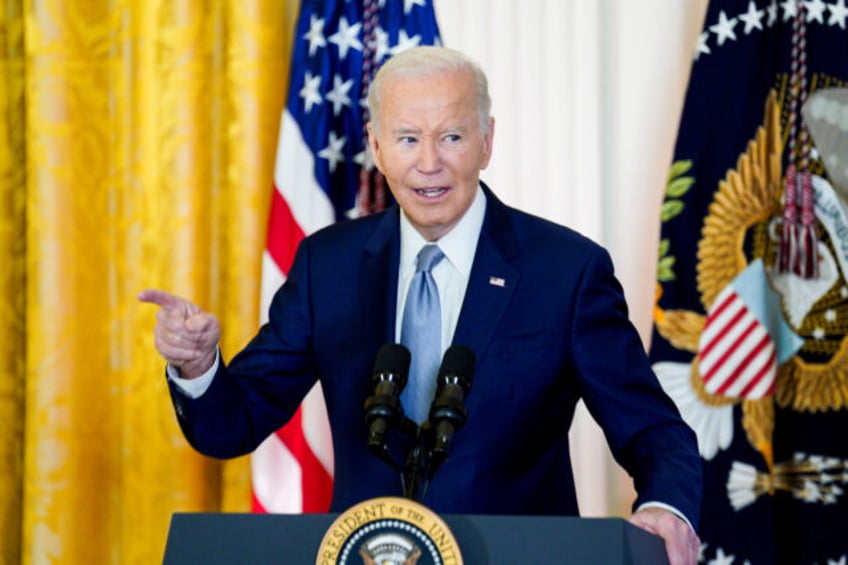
452,137
407,139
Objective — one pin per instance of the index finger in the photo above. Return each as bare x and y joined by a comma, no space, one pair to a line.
161,298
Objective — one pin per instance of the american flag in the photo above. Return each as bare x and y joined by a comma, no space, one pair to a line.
324,175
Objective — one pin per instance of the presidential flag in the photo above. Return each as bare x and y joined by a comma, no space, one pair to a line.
322,175
751,317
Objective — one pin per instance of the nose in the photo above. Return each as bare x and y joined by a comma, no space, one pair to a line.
429,159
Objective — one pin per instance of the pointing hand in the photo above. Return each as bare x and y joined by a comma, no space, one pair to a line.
186,336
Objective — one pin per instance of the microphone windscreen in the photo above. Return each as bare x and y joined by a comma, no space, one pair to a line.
459,360
393,358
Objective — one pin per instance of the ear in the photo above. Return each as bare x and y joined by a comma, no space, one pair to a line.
374,146
487,144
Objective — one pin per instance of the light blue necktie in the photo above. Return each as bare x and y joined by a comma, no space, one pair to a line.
421,332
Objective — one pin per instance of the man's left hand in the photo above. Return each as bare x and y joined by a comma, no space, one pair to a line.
681,542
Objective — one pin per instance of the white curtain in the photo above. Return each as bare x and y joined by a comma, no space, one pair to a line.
587,97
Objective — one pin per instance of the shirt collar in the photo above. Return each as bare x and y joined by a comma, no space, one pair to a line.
454,244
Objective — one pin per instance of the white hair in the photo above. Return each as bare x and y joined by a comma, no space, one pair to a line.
427,61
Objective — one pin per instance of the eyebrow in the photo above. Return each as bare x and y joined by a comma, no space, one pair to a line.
410,130
400,131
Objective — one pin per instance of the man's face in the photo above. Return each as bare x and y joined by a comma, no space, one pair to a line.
430,148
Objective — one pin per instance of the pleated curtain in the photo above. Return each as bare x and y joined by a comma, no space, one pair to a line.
137,143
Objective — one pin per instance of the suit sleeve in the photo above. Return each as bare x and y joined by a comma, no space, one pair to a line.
263,385
642,425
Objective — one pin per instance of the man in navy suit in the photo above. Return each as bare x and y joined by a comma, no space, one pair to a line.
537,303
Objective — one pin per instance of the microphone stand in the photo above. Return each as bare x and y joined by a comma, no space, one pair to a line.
415,466
378,446
382,409
447,415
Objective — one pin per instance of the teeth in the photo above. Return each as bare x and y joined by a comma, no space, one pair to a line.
430,191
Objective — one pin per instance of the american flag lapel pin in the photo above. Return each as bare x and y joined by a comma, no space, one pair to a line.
497,281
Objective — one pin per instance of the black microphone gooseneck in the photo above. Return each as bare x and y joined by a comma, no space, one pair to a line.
415,468
448,413
382,409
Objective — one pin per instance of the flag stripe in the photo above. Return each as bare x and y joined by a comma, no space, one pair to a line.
317,483
763,381
277,482
722,330
284,233
295,181
725,349
729,367
741,365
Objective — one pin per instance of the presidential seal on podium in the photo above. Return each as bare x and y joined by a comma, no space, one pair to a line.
388,531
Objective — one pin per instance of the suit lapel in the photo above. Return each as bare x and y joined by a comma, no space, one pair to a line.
493,278
378,279
491,285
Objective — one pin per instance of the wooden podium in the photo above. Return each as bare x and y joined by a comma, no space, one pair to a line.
482,539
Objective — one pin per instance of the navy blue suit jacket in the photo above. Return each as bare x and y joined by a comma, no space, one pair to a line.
556,331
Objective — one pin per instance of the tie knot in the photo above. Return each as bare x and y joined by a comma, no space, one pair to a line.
429,257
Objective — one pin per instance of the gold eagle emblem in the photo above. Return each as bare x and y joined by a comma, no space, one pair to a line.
741,219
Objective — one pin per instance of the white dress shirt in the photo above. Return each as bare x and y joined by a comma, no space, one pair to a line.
451,274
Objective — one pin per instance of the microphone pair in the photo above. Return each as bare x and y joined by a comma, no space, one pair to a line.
447,412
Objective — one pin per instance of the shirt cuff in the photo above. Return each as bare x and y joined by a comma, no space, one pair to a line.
193,388
672,509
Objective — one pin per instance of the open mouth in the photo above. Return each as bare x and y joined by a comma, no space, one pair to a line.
431,192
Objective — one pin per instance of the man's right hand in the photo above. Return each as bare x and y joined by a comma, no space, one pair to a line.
186,336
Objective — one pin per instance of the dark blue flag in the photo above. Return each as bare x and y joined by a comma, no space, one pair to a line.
751,319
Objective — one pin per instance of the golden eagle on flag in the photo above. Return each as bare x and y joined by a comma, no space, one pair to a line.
751,316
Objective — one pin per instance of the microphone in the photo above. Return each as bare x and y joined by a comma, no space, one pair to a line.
448,413
382,409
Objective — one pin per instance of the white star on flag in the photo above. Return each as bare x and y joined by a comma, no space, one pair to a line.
315,35
347,37
405,42
409,4
702,46
790,8
753,18
309,92
838,14
339,95
771,10
815,11
333,152
724,28
382,41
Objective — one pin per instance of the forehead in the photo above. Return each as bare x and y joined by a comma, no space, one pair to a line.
446,95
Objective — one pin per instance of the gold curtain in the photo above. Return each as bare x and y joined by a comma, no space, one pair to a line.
137,142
